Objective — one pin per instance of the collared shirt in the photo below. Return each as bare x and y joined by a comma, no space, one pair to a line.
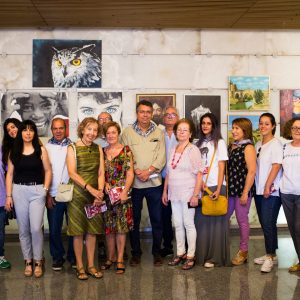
171,142
65,142
139,131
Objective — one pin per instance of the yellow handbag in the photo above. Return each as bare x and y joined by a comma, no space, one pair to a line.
214,207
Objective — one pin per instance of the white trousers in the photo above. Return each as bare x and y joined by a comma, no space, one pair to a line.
183,219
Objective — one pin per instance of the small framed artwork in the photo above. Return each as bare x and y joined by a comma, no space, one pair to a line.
289,106
195,106
160,103
249,93
255,126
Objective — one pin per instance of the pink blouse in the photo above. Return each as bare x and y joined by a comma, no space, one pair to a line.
182,179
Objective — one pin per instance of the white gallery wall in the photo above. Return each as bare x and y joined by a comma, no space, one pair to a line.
165,61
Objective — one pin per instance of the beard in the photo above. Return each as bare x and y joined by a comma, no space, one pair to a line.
157,119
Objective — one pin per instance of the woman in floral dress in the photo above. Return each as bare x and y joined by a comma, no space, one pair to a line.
118,218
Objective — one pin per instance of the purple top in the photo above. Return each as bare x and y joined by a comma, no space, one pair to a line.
2,182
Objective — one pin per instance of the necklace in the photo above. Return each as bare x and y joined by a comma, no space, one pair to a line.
174,165
88,146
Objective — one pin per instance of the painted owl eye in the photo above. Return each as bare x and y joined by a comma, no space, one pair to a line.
76,62
58,63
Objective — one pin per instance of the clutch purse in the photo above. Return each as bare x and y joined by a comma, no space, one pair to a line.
114,195
93,210
64,192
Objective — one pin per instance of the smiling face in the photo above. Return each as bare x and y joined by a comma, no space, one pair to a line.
170,117
58,130
12,130
88,106
183,132
206,126
112,135
237,132
27,134
90,132
265,126
295,131
144,115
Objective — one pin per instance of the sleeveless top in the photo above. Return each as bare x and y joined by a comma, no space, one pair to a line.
29,169
237,171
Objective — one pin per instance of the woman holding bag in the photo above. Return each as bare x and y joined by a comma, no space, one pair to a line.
212,231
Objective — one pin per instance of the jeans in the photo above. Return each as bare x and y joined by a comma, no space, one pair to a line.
291,207
241,212
153,197
2,230
184,223
55,219
267,211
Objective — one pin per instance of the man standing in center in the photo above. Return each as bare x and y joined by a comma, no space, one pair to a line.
147,144
57,151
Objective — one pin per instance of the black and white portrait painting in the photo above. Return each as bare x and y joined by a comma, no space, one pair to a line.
91,104
38,106
67,63
197,105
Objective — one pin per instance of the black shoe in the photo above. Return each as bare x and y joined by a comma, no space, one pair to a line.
101,251
166,252
135,260
157,260
58,265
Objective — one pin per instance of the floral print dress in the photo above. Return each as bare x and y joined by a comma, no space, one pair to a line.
118,218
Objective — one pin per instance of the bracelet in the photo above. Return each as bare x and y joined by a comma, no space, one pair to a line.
149,170
196,196
8,196
45,189
85,186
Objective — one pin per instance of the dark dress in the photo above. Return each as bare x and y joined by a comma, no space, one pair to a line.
87,160
118,218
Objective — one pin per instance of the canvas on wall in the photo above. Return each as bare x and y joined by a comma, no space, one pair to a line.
67,63
197,105
249,93
160,102
289,106
39,106
255,126
91,104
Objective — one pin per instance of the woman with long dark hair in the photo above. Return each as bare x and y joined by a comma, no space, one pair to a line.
267,178
212,231
27,182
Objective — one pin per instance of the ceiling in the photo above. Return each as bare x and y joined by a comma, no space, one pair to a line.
202,14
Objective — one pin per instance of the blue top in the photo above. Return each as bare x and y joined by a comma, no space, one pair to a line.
171,142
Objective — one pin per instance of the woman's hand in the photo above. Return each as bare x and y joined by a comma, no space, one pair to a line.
8,204
164,198
215,195
194,201
267,191
97,202
107,187
98,194
244,199
124,196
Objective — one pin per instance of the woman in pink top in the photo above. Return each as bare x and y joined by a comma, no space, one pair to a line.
182,187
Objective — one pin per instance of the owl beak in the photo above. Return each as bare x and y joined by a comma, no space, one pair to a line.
64,72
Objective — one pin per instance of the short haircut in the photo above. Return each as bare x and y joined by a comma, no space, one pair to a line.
58,119
111,124
144,102
272,120
173,107
246,125
105,112
191,127
85,122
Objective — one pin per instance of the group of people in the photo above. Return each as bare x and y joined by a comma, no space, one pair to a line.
164,167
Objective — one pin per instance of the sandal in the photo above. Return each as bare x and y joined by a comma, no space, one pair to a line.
38,269
120,268
107,265
92,271
28,268
177,260
189,264
81,275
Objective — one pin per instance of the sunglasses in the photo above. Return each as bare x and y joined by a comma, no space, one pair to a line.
258,152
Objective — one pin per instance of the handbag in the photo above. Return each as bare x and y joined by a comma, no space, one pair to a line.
65,190
214,207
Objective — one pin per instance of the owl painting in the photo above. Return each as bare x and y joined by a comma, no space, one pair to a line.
67,63
76,67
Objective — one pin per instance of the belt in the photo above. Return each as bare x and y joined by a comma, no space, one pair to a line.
28,183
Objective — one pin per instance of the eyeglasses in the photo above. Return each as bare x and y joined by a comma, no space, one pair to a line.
170,116
295,129
105,119
258,152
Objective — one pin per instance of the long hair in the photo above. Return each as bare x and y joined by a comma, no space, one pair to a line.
246,125
8,141
272,120
18,148
215,130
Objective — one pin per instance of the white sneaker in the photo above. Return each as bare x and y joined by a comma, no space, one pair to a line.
209,264
267,265
261,260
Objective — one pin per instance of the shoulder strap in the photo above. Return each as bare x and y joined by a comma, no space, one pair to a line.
211,162
62,172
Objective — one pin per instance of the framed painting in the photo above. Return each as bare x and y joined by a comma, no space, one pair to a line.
160,102
197,105
67,63
249,93
289,107
255,126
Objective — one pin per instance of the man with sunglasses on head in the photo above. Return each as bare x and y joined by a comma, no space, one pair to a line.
170,118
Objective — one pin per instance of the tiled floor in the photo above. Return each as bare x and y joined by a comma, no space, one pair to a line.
148,282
